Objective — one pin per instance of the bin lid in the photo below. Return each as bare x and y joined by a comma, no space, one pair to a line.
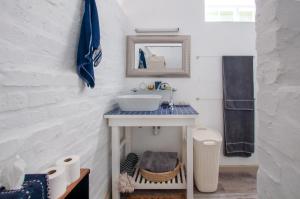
203,134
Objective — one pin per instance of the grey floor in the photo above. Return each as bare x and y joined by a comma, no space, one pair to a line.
232,186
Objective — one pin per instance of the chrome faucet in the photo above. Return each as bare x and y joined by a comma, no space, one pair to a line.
165,84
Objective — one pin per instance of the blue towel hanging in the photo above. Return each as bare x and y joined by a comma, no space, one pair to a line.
142,60
239,106
89,52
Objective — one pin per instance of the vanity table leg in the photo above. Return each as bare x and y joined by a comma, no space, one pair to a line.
189,163
115,171
183,145
128,132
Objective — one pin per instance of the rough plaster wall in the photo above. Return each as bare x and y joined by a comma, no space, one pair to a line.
278,46
45,110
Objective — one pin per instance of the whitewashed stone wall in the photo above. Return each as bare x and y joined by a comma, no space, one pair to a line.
45,110
278,45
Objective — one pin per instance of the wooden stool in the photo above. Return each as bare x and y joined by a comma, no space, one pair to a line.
79,188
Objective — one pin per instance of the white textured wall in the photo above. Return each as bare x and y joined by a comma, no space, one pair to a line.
45,111
278,46
209,41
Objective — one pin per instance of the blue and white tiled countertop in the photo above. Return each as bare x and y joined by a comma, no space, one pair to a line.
178,111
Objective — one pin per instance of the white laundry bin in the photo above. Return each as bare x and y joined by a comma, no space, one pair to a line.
207,145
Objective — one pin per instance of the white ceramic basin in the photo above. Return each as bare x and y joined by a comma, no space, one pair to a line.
139,102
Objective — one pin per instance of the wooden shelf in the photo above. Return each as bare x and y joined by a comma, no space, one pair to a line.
70,188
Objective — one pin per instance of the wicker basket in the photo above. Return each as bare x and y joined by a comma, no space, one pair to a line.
160,177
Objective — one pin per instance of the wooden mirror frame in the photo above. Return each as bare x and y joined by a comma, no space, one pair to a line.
185,40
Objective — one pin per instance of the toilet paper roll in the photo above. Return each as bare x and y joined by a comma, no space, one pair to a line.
56,181
72,167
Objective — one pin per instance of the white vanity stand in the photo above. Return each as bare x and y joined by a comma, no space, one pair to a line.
181,116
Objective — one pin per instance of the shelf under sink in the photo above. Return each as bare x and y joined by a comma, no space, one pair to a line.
179,182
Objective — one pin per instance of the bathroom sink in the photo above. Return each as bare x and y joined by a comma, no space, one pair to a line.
139,102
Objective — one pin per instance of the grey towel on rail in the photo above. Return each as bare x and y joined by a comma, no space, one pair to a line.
159,161
238,96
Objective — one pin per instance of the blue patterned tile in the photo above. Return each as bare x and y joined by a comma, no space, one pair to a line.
178,110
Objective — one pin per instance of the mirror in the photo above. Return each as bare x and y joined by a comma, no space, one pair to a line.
154,56
158,56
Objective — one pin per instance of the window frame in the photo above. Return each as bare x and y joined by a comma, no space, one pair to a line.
236,9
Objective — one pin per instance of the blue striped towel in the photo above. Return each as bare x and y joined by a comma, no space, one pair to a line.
89,52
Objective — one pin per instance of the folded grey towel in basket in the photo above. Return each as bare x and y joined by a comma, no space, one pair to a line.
159,161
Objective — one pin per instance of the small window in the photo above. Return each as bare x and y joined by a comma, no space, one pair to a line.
230,10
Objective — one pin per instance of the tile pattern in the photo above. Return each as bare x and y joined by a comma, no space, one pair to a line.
232,186
178,110
226,196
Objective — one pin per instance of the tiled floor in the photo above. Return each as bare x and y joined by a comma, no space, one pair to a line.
232,186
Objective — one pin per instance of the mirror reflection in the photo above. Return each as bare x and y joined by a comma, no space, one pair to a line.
158,56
